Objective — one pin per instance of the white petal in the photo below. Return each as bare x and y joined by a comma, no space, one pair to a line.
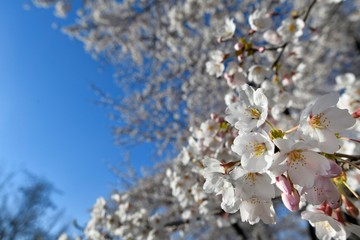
328,142
339,119
324,102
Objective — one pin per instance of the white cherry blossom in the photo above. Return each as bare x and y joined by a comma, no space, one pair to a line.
325,226
259,20
256,151
302,165
252,185
250,111
215,66
258,74
322,120
218,181
291,29
253,210
228,30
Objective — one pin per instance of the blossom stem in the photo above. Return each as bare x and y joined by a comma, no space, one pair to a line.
350,139
292,129
270,124
308,10
351,190
285,44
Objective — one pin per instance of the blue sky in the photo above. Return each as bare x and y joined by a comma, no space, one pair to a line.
49,123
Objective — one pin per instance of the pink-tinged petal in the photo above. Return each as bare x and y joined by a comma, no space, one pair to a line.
328,142
323,190
324,102
318,163
334,171
338,119
301,174
356,114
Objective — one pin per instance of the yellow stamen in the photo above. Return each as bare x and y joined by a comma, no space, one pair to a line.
292,27
294,158
252,112
318,121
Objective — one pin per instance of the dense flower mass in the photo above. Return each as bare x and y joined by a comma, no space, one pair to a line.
288,130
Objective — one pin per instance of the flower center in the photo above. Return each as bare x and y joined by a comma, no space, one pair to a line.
292,27
326,225
318,121
251,177
295,157
256,149
252,113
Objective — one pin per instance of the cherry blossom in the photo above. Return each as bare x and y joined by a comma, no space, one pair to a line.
291,29
259,20
301,164
256,151
250,111
228,30
325,226
322,120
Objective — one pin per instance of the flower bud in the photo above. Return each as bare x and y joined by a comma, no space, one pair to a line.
291,201
261,49
284,184
356,114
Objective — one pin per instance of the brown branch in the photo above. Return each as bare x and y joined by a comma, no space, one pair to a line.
285,44
350,157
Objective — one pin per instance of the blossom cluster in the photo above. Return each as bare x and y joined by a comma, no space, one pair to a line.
284,146
288,131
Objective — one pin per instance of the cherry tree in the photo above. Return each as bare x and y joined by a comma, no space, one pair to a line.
260,98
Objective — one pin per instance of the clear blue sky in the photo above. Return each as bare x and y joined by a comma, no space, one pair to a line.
49,123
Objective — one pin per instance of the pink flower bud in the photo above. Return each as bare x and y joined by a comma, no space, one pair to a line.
240,58
252,31
284,184
214,116
238,46
261,49
356,114
291,201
